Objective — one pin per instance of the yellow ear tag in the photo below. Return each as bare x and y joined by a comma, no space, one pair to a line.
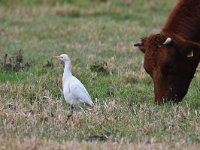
190,54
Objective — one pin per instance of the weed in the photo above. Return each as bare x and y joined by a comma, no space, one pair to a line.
14,64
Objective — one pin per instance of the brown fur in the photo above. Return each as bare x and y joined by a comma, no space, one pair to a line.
184,20
168,65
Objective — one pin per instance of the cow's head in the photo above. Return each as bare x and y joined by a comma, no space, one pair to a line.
171,61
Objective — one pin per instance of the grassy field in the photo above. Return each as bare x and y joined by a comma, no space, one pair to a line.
98,36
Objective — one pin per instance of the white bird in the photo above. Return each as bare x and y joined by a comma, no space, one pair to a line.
73,90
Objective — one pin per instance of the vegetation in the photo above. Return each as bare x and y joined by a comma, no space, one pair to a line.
98,36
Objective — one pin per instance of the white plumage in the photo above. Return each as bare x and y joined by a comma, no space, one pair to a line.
75,93
73,90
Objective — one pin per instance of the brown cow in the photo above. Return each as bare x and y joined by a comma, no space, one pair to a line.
172,56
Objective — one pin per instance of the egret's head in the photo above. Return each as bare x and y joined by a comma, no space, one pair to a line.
63,57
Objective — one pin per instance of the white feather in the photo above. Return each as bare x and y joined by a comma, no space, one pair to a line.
75,93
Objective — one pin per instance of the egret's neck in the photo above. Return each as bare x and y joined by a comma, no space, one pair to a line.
67,70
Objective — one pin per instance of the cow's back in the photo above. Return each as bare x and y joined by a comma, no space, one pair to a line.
184,20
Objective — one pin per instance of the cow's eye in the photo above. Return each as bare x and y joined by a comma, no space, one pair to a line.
168,69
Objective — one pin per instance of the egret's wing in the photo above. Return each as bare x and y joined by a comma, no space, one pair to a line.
78,90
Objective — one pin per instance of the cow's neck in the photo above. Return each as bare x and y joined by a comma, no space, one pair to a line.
184,20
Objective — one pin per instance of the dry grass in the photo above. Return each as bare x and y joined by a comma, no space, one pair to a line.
34,143
32,110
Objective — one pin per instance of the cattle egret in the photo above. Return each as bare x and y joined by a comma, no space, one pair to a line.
73,90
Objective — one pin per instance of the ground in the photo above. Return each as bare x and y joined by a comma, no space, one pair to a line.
98,36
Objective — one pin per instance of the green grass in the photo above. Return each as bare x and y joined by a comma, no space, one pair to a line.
90,32
13,77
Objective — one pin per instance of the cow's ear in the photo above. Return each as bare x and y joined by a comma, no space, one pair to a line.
191,51
141,45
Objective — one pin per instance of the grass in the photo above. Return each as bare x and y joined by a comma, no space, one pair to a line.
33,112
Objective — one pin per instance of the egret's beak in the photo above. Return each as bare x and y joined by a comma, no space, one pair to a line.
56,57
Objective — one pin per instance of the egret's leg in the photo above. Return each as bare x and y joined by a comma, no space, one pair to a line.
71,113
